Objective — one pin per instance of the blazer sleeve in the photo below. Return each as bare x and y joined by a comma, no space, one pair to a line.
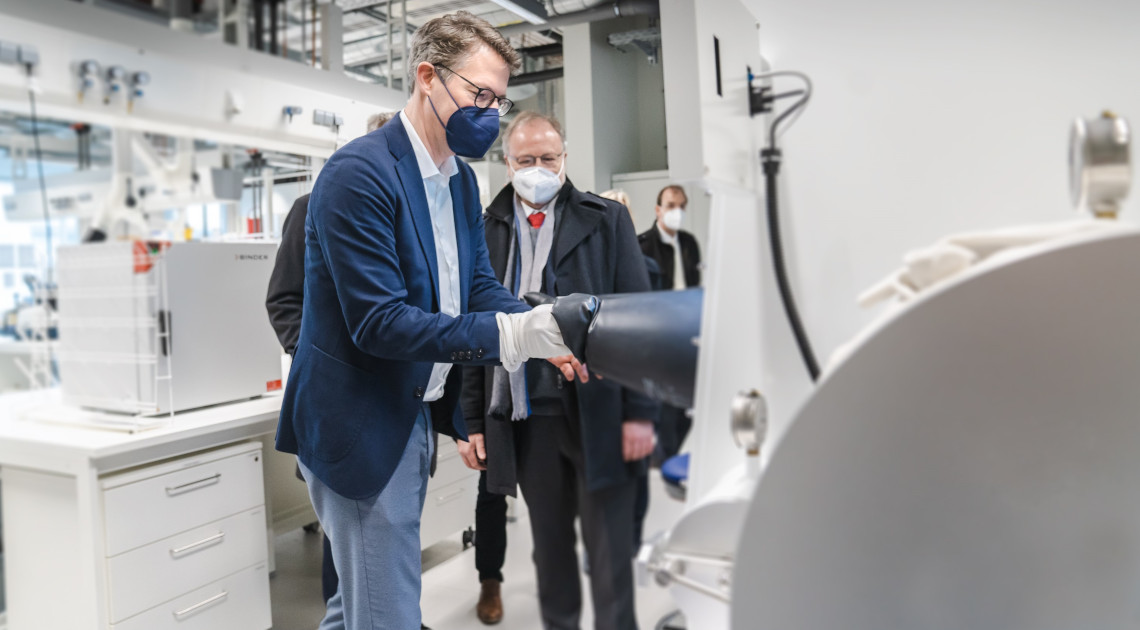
472,398
354,214
287,282
631,276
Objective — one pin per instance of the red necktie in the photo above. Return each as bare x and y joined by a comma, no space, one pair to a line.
536,218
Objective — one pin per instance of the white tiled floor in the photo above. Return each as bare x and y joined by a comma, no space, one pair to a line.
451,586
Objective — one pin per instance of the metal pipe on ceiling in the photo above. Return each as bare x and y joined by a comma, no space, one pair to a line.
559,7
259,24
537,76
604,11
404,39
546,50
273,27
388,30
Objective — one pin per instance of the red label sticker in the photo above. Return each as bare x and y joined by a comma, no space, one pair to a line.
143,262
144,253
272,386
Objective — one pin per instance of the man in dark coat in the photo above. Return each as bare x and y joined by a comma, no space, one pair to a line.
679,258
575,448
660,241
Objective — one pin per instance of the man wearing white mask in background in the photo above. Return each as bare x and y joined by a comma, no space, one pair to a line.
576,448
674,249
679,258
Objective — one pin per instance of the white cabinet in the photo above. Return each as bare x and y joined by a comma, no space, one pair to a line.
179,495
187,538
235,602
184,562
147,530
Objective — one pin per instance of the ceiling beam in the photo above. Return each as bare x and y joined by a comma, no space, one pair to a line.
530,10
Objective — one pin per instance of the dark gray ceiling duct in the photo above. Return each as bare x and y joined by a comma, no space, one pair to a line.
603,11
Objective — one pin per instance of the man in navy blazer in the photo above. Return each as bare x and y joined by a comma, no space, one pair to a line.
398,288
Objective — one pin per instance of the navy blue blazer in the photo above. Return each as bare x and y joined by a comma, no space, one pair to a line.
371,327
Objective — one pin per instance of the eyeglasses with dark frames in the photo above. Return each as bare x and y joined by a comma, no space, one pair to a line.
484,97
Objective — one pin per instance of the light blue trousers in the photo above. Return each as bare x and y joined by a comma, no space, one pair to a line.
376,543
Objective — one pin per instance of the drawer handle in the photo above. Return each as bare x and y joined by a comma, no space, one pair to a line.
193,485
179,615
440,500
198,546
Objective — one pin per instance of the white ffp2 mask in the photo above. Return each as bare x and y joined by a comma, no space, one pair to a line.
536,184
672,218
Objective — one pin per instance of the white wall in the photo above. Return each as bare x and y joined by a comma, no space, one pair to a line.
578,124
930,118
614,106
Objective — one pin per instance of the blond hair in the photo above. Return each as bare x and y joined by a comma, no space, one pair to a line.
450,39
378,120
617,195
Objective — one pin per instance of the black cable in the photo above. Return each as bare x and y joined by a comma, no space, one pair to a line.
771,159
43,184
781,118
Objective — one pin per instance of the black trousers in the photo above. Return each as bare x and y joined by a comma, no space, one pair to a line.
552,477
640,509
672,430
490,532
491,528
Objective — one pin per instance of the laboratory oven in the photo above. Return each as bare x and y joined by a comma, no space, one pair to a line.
152,327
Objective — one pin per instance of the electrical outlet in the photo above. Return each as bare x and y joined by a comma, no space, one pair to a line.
29,56
9,53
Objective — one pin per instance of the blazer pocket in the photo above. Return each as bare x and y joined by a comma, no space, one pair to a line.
338,407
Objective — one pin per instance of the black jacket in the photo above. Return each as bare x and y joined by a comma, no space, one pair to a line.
662,252
287,283
594,252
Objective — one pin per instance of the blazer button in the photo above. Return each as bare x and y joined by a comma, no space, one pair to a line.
479,353
419,392
454,356
467,356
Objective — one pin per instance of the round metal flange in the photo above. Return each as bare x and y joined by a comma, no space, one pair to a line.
1100,165
749,421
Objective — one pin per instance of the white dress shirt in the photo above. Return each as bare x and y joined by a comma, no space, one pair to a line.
438,191
678,265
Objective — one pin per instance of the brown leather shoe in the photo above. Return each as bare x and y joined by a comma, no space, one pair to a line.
490,606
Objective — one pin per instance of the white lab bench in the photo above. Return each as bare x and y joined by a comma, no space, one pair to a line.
110,530
86,534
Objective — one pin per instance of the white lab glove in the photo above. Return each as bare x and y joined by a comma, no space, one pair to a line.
530,335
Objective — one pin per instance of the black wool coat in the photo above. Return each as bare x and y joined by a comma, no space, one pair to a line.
595,251
662,252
